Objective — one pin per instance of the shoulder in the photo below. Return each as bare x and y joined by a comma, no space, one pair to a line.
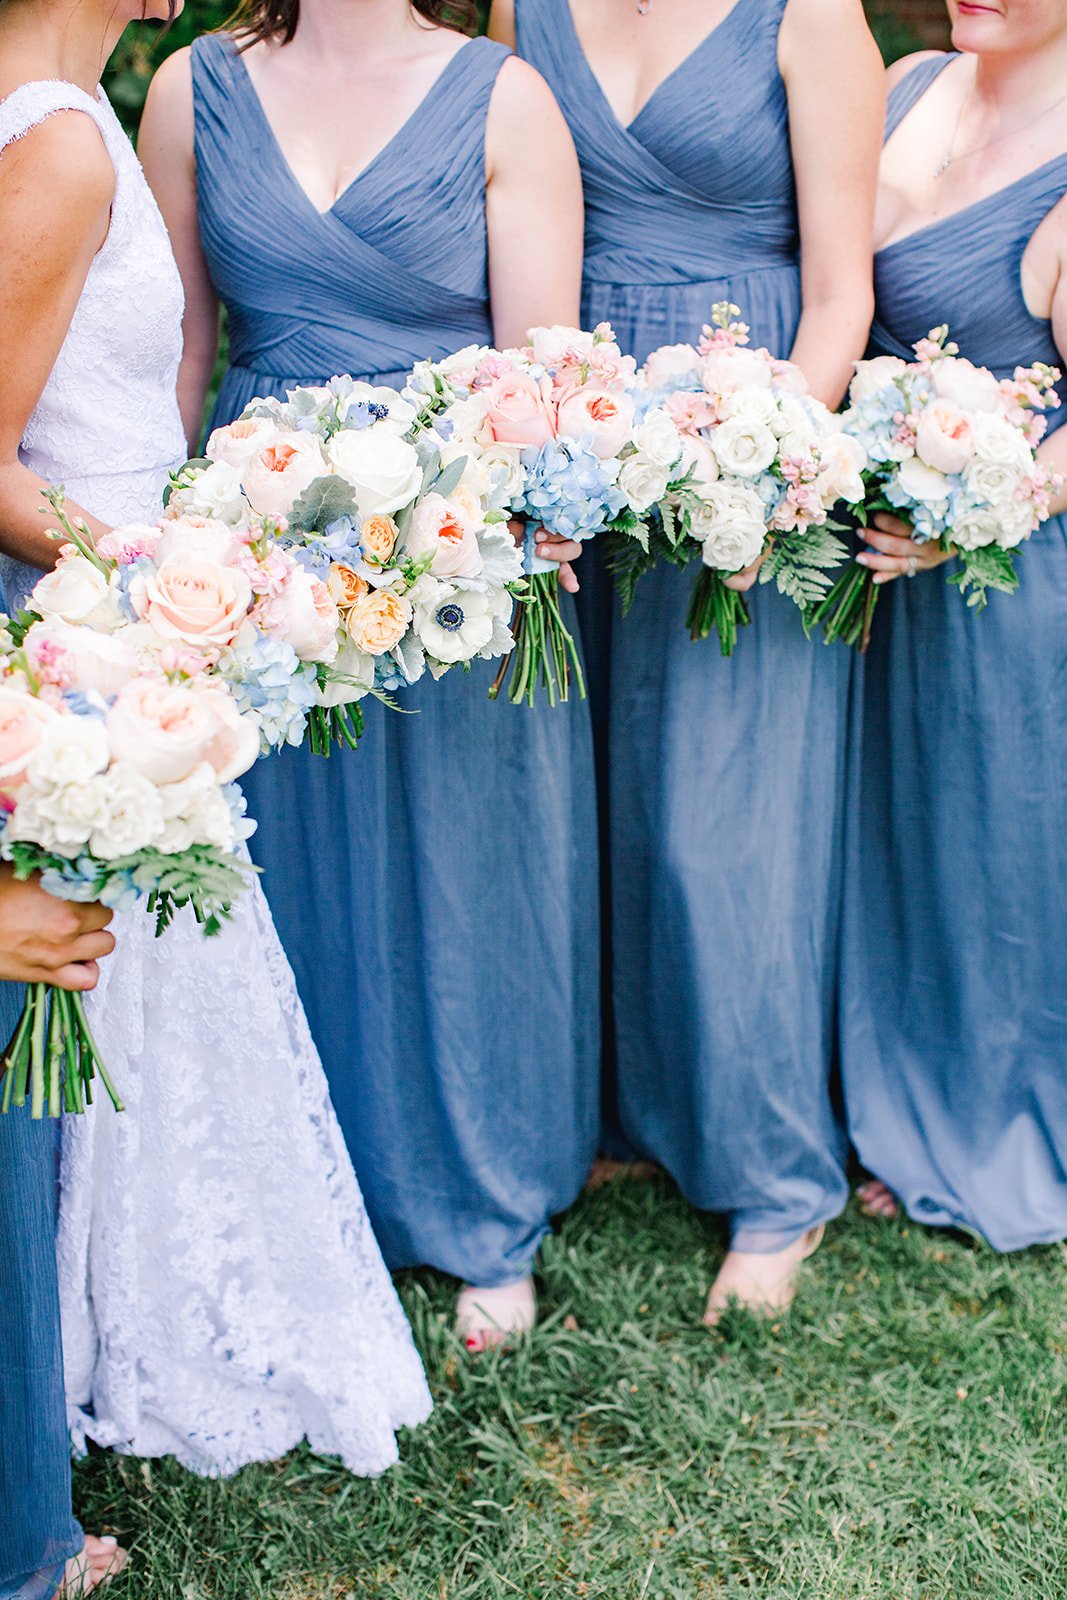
521,97
61,161
171,91
899,70
834,33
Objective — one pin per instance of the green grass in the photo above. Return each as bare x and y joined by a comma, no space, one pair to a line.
901,1436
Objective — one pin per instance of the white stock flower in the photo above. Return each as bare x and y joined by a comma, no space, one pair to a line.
62,820
744,449
134,818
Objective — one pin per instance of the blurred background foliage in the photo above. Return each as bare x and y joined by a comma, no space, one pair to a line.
130,70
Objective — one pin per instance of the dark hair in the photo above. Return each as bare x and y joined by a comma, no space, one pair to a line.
255,20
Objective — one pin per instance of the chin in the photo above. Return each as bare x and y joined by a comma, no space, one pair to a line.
976,31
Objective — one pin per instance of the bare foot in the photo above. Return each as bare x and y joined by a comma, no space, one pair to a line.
766,1283
605,1170
99,1560
877,1199
488,1317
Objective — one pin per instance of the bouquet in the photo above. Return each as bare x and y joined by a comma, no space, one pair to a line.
371,557
761,466
116,784
951,450
549,425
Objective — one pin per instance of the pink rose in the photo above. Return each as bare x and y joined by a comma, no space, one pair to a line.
518,411
670,361
279,473
731,367
23,719
305,614
190,535
194,600
944,436
165,730
239,441
605,414
80,658
439,525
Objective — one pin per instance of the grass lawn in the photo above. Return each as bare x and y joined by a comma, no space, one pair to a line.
901,1436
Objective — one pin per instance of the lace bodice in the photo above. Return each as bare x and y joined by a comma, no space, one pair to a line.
108,416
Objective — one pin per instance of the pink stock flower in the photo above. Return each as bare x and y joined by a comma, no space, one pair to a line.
182,661
690,411
127,544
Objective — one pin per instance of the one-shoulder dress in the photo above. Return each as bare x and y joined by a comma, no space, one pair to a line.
435,890
726,776
954,1021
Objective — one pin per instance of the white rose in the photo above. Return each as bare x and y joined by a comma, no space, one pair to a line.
71,750
874,375
134,817
239,441
967,386
643,482
976,527
78,592
755,405
95,663
216,492
277,475
503,464
795,421
197,536
996,440
842,460
195,811
670,362
744,448
382,468
1017,522
658,439
992,482
922,483
731,526
550,345
465,360
453,624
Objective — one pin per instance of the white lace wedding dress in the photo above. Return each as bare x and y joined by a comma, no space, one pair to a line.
223,1296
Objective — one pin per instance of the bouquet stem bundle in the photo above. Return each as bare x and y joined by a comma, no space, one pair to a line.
53,1056
714,606
546,653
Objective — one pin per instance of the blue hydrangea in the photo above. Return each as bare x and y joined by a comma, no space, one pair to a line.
339,542
268,678
569,490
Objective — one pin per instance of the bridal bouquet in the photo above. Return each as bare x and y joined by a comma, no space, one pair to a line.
762,465
549,425
116,783
951,451
371,558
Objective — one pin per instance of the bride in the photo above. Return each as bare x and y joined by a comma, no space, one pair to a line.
222,1292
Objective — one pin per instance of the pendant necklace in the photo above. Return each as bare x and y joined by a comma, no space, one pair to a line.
644,7
943,165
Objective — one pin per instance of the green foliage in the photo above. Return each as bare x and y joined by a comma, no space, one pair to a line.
798,564
325,500
142,48
980,570
902,1435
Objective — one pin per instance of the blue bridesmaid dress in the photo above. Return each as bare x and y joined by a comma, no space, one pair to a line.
954,1025
726,775
435,891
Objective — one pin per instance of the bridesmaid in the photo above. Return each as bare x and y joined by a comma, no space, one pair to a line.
728,153
350,178
955,952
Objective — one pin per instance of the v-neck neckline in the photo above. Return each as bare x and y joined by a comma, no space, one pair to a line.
686,61
379,155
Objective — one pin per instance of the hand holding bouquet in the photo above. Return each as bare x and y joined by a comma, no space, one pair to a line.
761,466
951,450
116,783
371,557
549,425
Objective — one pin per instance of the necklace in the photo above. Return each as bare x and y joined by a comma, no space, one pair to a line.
943,165
644,7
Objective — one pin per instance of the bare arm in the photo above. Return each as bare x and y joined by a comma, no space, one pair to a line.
836,87
502,22
1054,451
166,149
534,208
56,189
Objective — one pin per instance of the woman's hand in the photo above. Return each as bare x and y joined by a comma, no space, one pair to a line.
45,940
896,554
552,547
742,581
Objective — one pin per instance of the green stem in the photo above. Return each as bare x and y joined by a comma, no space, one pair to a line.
89,1044
37,1039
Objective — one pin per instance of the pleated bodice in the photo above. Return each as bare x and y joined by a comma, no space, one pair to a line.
387,276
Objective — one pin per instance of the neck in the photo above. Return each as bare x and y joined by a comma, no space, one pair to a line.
71,41
1012,82
374,29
